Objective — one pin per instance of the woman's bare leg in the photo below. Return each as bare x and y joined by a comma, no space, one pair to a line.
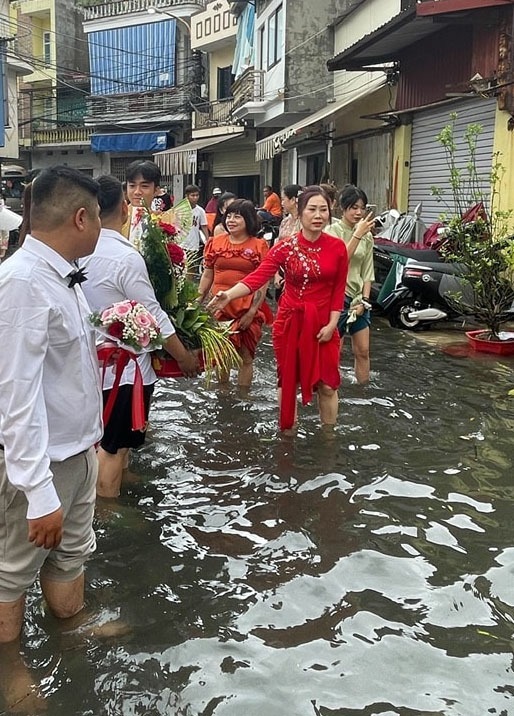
328,403
360,348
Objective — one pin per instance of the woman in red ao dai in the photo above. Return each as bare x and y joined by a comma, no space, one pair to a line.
305,340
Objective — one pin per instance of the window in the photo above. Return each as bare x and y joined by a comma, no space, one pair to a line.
262,54
225,80
275,23
47,48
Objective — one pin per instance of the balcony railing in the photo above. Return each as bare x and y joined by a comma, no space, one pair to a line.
217,114
249,87
62,135
111,109
127,7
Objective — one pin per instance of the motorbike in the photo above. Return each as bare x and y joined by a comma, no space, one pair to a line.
389,259
424,294
269,231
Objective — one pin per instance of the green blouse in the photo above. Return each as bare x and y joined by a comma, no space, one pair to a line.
361,269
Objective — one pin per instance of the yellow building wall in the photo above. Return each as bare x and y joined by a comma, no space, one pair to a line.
218,58
504,155
42,17
401,166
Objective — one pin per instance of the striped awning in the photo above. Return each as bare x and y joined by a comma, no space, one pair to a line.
275,144
184,159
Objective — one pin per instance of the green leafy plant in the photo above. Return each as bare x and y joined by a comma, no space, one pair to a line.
482,243
169,268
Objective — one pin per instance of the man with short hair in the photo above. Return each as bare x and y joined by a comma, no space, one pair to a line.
143,185
199,233
272,208
117,272
50,402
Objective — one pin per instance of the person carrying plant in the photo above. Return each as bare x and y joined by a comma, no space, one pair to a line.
116,272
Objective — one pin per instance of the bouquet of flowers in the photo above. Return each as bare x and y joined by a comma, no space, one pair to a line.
130,325
133,330
168,266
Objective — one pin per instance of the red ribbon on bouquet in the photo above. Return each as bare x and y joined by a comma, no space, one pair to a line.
121,361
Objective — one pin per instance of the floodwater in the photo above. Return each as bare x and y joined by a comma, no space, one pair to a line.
247,574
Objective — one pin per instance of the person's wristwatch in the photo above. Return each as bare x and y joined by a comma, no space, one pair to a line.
365,302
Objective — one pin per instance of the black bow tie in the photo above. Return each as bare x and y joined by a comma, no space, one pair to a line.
77,276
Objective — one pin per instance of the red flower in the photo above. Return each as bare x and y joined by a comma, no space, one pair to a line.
116,329
168,229
176,253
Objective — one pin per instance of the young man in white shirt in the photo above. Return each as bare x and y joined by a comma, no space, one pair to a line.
116,272
50,403
199,234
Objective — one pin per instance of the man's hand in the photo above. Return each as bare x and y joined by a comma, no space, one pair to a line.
46,531
188,364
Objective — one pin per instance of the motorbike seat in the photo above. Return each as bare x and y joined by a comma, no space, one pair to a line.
402,250
441,267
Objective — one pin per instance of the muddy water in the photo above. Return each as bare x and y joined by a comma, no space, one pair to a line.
246,574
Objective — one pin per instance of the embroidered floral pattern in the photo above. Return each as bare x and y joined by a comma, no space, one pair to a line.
302,262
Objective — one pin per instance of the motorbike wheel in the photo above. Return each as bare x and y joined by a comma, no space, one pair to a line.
399,317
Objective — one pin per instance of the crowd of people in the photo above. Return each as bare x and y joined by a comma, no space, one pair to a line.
55,454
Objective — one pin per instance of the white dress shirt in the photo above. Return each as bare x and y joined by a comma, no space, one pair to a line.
116,271
50,399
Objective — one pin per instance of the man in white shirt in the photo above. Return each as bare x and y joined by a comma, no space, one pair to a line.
199,234
117,272
50,402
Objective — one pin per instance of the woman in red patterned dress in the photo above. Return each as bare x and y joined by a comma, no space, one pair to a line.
228,258
305,337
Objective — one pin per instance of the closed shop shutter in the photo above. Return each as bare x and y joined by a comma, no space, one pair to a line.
237,163
428,165
373,156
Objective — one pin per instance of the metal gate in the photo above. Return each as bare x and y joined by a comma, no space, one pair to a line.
238,163
429,166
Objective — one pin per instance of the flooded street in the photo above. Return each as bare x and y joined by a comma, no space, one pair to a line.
248,574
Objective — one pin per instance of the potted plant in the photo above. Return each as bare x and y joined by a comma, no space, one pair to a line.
478,236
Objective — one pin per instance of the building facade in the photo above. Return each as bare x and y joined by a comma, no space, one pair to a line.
450,57
222,150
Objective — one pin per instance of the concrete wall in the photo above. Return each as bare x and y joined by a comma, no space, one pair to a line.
94,164
308,46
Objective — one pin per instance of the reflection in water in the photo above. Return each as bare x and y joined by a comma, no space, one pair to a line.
365,572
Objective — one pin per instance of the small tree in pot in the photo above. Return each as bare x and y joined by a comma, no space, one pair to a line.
478,234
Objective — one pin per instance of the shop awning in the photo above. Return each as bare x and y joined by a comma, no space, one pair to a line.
129,142
267,148
405,29
184,159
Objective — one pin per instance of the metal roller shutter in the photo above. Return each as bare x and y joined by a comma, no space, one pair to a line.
237,163
428,165
374,157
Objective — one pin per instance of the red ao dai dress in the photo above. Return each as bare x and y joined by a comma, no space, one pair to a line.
315,280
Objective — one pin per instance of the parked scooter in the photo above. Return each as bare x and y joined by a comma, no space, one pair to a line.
389,259
424,295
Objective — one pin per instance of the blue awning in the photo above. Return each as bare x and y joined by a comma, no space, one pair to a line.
129,142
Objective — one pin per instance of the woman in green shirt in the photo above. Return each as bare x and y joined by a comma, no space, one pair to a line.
355,230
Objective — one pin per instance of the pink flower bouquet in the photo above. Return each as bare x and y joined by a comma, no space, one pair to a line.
130,325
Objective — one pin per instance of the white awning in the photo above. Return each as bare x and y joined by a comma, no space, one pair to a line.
184,159
267,148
